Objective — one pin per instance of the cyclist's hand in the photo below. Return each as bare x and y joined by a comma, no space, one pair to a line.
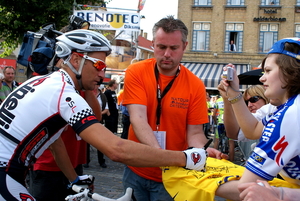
87,180
195,158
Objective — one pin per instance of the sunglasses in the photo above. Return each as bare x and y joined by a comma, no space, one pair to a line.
98,63
253,99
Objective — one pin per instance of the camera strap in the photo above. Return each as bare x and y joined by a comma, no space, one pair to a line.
161,95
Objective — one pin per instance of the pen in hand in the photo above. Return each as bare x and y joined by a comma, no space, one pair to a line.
207,144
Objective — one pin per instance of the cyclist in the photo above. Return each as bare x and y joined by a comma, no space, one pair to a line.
220,131
33,116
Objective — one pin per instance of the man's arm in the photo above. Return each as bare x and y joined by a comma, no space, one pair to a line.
139,122
62,159
129,152
195,136
105,111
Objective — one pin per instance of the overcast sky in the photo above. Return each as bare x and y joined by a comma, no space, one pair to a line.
153,11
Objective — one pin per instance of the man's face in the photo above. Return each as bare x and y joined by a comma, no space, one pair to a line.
168,49
115,86
207,97
9,75
90,75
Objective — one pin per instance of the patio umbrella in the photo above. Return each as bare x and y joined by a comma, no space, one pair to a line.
250,77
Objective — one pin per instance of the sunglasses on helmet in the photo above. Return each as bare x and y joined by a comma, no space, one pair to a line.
253,99
98,63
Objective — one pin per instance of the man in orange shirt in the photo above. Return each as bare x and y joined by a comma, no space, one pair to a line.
167,107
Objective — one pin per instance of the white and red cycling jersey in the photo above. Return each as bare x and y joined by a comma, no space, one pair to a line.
34,115
278,150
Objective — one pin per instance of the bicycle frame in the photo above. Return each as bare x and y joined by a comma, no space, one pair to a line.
85,194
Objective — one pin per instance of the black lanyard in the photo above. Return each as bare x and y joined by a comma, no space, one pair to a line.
161,95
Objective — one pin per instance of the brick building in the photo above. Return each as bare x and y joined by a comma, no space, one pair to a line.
252,25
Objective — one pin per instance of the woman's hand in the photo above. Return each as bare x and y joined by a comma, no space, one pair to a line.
258,191
229,88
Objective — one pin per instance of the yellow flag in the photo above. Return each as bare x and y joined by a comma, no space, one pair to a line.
192,185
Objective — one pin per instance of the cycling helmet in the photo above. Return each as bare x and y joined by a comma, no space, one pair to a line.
81,40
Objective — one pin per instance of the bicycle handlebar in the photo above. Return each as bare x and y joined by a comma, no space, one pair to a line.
83,193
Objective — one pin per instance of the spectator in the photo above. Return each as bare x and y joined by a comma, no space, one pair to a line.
125,115
213,122
104,110
102,101
1,80
166,104
8,83
111,121
277,150
255,99
56,105
209,112
125,121
232,47
218,116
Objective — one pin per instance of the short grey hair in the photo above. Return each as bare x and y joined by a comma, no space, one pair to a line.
169,24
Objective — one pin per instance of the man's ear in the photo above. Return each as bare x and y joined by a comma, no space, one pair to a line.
75,60
185,45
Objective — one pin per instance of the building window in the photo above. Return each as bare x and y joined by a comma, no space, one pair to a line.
234,37
298,2
200,36
267,37
297,31
270,2
235,2
202,2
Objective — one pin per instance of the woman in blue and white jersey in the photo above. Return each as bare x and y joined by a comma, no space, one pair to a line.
278,151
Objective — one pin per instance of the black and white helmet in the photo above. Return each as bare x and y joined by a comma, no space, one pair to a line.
81,40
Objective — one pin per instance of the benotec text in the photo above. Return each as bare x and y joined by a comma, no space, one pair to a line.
109,17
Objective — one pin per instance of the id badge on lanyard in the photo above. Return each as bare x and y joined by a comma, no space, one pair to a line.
161,138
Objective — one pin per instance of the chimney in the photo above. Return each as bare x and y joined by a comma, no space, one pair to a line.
142,32
145,35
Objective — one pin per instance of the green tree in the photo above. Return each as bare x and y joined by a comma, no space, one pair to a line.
19,16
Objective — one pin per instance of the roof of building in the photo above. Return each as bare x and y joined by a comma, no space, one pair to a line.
144,43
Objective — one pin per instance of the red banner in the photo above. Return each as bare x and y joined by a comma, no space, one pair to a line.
141,5
7,62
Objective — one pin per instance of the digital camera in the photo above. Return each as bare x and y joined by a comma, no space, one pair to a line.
228,74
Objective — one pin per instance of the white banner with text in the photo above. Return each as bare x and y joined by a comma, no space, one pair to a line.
110,20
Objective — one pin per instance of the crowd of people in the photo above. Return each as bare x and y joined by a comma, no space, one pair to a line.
164,123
